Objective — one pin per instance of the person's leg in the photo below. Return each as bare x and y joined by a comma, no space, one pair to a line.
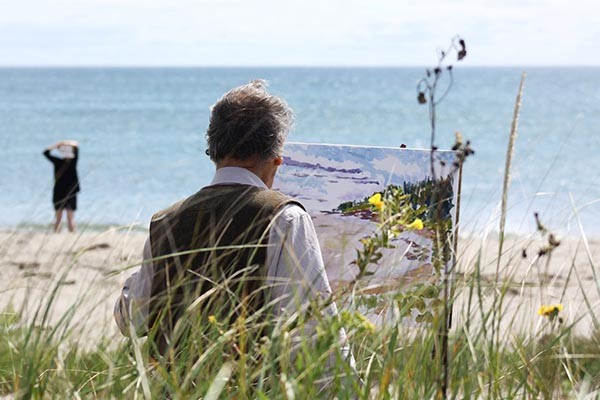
71,206
57,219
71,220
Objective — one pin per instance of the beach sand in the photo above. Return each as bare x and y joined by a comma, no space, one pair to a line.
566,277
80,272
85,271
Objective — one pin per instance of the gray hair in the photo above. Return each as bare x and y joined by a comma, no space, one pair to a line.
248,122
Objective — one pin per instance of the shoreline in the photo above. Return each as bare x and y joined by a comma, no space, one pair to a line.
464,233
81,227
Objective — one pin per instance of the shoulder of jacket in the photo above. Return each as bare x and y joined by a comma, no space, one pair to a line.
293,212
167,211
280,199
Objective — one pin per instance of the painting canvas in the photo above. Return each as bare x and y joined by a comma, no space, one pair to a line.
334,183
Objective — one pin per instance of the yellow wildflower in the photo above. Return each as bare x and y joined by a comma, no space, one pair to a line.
550,311
376,201
416,224
212,319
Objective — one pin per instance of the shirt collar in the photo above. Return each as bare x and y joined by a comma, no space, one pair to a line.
237,175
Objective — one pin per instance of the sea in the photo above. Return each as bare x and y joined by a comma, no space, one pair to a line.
142,144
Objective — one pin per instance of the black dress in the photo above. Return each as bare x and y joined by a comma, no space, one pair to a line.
66,183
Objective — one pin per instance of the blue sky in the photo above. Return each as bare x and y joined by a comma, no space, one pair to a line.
308,32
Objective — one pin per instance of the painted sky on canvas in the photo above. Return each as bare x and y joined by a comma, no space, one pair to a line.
308,32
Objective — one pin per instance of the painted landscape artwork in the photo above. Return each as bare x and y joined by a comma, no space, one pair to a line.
334,183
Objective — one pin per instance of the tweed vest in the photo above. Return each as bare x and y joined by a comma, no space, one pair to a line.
209,254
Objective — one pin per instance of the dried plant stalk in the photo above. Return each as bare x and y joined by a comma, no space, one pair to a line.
497,307
509,156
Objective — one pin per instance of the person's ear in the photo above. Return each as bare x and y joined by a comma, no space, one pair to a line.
278,161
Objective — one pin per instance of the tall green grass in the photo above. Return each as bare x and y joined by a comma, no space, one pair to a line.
42,357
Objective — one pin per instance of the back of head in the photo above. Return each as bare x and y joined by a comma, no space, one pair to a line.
248,122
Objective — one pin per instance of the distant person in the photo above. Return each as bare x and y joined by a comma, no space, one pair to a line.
66,183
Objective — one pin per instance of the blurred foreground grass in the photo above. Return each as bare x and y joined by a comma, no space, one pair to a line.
42,357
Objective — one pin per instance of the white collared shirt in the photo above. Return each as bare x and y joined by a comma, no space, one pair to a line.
296,272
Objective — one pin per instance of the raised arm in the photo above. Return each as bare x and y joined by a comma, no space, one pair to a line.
49,156
72,143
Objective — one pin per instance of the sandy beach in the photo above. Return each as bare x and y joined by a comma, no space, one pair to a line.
84,272
81,271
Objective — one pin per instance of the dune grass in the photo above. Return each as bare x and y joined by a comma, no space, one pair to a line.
43,358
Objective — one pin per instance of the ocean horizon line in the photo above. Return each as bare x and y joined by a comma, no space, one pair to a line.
290,66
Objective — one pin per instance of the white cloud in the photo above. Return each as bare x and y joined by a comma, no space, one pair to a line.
312,32
393,164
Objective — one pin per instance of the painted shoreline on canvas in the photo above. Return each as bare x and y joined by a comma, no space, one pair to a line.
339,237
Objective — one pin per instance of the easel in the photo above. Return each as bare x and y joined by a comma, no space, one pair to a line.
449,295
